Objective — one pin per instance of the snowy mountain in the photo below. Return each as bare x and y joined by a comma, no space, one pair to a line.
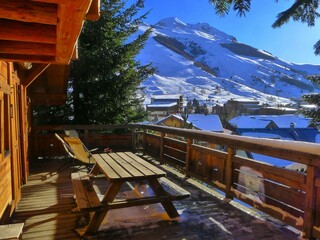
201,62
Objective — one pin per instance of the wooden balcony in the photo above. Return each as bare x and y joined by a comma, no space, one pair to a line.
214,174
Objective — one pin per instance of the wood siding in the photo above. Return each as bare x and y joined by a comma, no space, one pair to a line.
11,151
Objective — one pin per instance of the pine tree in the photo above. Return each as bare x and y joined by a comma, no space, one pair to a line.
314,99
106,77
105,80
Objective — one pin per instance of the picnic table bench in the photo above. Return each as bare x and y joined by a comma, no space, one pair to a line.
119,168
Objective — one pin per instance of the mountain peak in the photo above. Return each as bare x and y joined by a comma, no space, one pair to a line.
202,62
171,22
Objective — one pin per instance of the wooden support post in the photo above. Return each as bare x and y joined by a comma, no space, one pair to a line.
310,202
86,135
161,147
188,152
228,171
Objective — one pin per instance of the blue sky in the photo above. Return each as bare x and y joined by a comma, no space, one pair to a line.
292,42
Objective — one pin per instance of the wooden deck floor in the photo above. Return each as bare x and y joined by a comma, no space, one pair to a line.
47,209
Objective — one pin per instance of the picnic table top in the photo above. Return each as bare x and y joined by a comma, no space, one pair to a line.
126,166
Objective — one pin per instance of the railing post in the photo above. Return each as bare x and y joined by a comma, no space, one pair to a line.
228,171
133,139
188,152
161,147
310,202
144,141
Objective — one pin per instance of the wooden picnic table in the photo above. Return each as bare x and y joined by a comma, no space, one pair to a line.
119,168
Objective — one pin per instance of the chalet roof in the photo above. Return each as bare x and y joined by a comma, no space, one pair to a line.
40,36
167,96
262,121
162,105
209,122
244,100
43,31
200,121
297,134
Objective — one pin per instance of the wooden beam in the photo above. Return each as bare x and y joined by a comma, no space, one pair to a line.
94,11
27,58
27,32
71,17
34,74
75,55
51,1
28,11
26,48
48,98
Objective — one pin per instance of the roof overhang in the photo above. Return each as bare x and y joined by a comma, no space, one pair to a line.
43,31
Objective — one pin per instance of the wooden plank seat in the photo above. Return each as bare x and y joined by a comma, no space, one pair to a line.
175,191
86,197
11,231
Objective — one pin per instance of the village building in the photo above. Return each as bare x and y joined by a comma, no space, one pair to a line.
164,105
209,122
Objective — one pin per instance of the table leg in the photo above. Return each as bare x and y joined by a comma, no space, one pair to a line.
95,170
98,216
159,191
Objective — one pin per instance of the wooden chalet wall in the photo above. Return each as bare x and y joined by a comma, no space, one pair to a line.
13,144
37,42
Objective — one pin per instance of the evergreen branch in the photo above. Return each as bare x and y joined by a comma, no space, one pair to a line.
242,6
284,16
301,10
222,7
316,48
314,78
312,98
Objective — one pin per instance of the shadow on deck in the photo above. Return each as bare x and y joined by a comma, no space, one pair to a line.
47,209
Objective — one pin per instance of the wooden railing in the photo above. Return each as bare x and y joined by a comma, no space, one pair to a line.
220,160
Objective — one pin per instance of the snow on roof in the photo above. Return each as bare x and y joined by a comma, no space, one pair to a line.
209,122
261,135
160,105
271,160
249,122
167,96
261,121
245,100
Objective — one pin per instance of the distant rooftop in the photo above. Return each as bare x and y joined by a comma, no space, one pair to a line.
244,100
210,122
162,104
167,96
261,121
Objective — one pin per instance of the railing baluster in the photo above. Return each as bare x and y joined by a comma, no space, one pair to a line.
188,152
310,202
144,136
228,171
161,146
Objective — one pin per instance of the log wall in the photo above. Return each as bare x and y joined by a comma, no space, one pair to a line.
11,152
